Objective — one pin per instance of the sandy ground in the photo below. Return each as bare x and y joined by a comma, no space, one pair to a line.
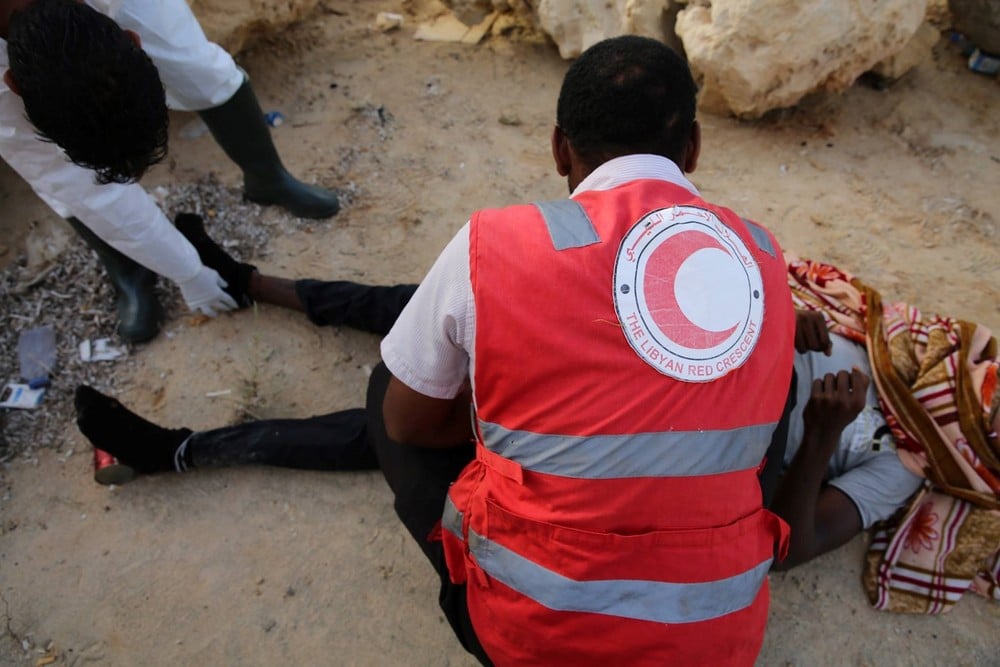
260,566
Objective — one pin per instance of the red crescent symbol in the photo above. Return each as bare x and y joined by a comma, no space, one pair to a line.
659,290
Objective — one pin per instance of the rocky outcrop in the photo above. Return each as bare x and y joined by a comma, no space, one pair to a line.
916,51
750,56
756,55
575,25
236,24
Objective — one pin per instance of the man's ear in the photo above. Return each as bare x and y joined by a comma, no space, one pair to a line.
134,36
693,149
8,79
561,151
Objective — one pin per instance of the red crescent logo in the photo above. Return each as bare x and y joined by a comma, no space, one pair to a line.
660,287
688,294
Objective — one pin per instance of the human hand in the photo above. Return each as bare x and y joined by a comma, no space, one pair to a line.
204,293
811,333
835,401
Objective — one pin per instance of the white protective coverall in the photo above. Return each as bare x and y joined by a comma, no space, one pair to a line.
196,74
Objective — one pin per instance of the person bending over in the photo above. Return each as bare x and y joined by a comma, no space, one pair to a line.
83,114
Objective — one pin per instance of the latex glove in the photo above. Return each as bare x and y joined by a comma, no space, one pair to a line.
204,293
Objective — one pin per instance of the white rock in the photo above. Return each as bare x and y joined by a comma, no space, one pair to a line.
756,55
575,25
387,21
916,51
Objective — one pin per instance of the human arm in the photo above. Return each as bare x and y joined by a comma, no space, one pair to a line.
811,334
774,459
124,216
416,419
427,352
150,240
205,293
821,518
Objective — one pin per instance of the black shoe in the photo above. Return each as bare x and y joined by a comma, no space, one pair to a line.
239,128
236,274
139,311
134,441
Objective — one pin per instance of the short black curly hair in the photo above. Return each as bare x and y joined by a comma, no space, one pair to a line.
627,95
89,88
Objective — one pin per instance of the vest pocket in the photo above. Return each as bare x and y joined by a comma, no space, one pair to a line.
541,593
650,576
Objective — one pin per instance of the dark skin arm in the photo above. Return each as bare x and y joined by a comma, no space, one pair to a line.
811,334
821,517
775,457
411,418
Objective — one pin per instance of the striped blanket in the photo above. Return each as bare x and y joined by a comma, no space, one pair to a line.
937,382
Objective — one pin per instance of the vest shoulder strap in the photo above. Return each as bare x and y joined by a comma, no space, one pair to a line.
568,224
760,237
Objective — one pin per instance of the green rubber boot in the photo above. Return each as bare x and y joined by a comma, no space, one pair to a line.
139,311
240,129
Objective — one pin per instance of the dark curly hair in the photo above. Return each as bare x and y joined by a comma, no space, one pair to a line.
88,88
627,95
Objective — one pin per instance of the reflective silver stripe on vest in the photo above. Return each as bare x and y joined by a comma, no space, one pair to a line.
669,454
451,518
569,225
760,237
656,601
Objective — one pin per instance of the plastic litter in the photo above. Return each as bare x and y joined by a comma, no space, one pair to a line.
21,396
984,63
100,350
36,354
196,128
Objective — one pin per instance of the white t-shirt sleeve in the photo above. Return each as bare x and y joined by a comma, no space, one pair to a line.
875,481
106,7
430,346
878,487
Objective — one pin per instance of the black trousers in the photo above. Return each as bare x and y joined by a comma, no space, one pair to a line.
335,441
419,479
357,440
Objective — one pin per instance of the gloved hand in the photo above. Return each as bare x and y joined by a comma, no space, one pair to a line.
204,293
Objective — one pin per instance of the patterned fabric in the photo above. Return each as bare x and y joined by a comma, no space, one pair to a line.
937,382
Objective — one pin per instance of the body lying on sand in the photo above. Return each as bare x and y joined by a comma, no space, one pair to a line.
845,465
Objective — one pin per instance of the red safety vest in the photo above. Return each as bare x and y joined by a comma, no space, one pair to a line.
613,513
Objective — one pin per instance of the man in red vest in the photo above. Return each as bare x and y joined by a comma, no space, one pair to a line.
575,403
626,354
